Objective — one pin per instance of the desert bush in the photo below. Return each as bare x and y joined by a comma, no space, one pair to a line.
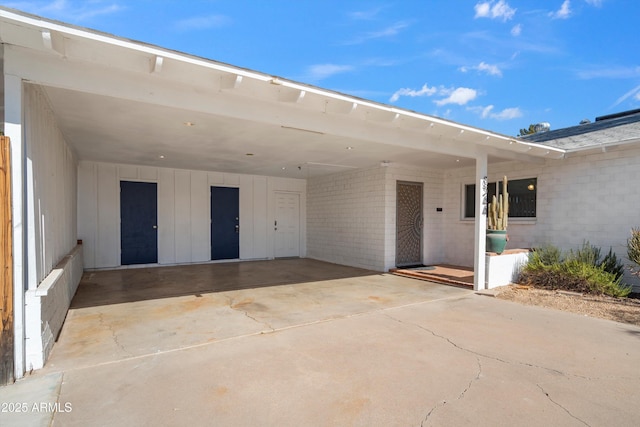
612,264
633,249
580,271
546,255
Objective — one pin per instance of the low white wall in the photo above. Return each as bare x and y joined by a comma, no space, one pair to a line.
47,305
504,269
183,212
590,197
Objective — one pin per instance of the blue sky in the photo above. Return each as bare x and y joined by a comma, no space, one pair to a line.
496,64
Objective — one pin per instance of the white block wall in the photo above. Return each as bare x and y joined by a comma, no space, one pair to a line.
352,216
432,181
592,197
184,212
51,179
346,218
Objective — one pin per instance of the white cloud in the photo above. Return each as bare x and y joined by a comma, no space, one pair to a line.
424,91
596,3
202,22
564,12
516,30
493,10
615,72
486,111
64,10
389,31
506,114
365,15
492,70
459,96
323,71
635,93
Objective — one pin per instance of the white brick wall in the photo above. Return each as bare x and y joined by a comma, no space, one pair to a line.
592,197
346,218
432,199
352,216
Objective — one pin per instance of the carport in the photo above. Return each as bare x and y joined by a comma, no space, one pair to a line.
303,171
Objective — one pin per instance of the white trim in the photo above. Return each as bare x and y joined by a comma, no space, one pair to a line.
479,261
13,128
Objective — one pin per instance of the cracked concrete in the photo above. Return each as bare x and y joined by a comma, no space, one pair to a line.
357,351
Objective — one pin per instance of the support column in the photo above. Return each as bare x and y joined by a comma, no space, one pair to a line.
13,129
479,267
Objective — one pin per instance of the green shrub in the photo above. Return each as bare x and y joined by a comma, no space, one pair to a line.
587,254
546,255
612,264
581,271
633,246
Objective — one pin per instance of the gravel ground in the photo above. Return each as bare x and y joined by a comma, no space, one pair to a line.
625,310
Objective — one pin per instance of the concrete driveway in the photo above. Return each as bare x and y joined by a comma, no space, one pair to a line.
356,350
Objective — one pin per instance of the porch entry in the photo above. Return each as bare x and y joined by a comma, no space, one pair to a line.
138,222
225,223
287,225
408,223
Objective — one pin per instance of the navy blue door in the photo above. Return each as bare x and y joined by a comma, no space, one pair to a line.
225,224
138,223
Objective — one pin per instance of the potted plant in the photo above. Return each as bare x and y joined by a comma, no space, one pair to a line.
497,221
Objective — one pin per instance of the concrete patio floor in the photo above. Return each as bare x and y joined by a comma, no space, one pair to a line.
350,348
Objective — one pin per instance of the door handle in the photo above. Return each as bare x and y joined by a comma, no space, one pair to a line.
155,226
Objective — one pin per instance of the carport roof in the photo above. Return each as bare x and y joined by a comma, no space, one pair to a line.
123,101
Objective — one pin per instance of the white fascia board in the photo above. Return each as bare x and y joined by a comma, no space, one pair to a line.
128,44
155,52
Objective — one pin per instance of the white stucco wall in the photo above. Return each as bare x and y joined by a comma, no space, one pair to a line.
590,197
52,254
183,212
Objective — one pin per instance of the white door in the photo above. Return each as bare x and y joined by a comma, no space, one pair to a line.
287,225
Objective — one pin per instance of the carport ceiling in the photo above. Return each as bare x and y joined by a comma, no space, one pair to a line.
107,129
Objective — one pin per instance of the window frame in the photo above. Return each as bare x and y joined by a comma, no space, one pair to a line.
492,188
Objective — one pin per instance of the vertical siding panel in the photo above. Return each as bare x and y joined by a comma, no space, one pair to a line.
260,217
200,217
166,217
108,242
183,216
246,217
88,211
